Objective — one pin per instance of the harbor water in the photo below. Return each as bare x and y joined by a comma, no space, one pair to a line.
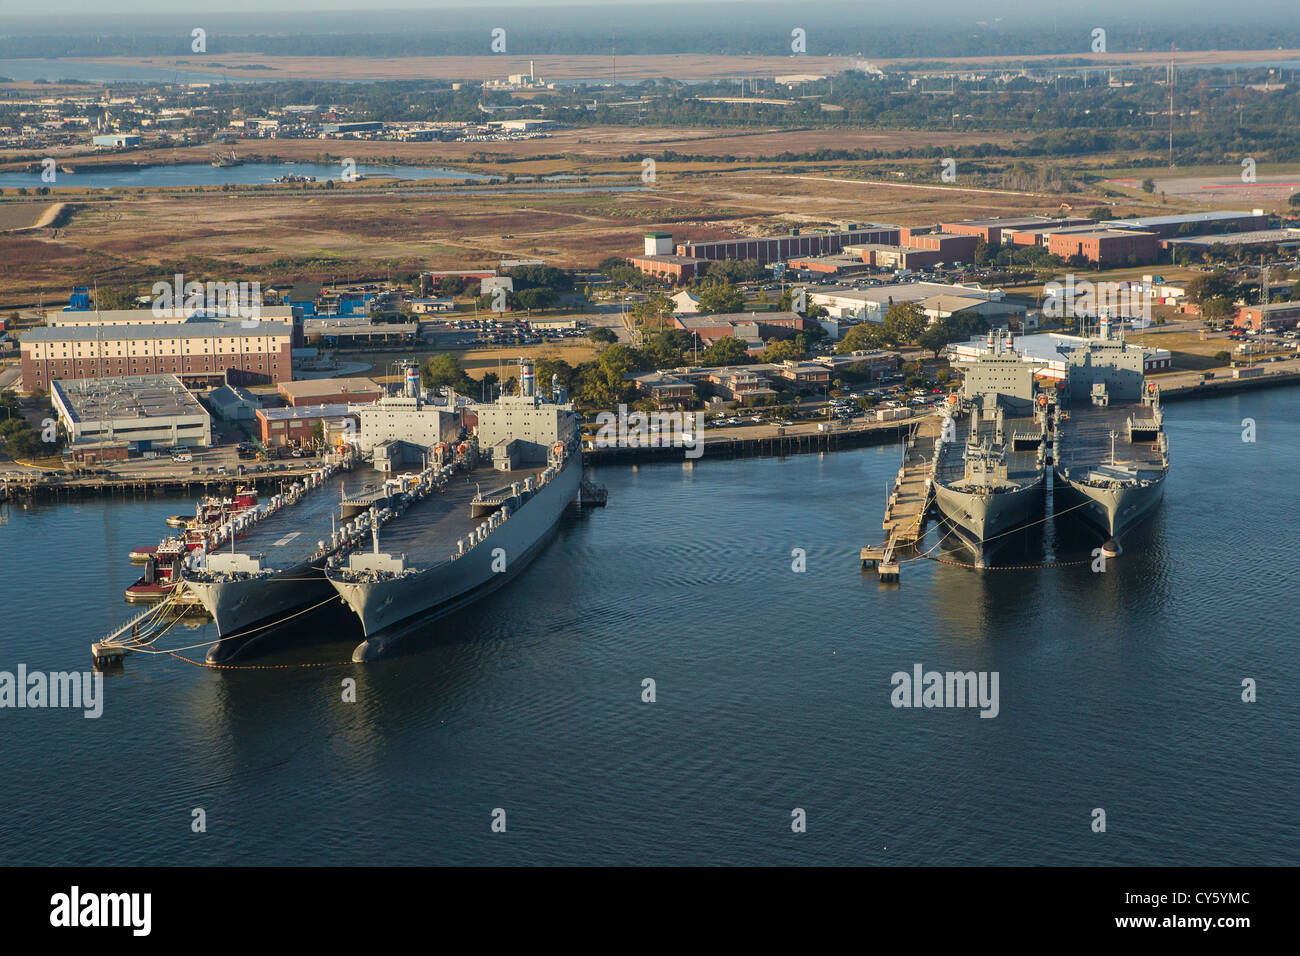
1118,690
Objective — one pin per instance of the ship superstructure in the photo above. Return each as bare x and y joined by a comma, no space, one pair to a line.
456,540
989,466
1112,453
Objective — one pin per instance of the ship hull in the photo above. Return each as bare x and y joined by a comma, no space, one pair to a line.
244,610
1112,510
981,518
389,608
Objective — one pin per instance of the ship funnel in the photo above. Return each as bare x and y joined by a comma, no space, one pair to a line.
527,378
412,379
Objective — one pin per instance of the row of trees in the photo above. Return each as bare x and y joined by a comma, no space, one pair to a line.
907,324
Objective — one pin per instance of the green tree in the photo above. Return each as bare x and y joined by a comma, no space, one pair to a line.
616,363
726,351
863,337
933,338
721,298
1210,285
445,370
904,322
602,335
655,311
1216,309
783,350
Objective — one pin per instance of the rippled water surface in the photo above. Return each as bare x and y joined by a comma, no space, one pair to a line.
1118,690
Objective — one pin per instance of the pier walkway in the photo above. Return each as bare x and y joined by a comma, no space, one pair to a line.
909,501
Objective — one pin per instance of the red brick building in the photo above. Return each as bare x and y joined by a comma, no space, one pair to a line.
997,230
1279,315
1106,247
678,268
197,352
297,426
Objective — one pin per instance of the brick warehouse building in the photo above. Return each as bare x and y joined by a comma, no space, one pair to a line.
1277,315
1106,247
997,231
297,426
196,352
780,248
678,268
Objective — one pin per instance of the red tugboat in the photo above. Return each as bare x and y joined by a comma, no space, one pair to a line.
162,569
209,514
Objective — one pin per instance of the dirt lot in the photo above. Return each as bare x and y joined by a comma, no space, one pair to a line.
28,215
321,234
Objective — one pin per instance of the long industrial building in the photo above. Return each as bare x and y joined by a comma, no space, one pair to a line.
780,248
199,352
153,411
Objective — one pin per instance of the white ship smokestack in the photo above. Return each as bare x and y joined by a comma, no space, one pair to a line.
527,379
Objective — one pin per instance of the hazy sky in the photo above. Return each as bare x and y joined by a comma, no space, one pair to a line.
1151,11
46,7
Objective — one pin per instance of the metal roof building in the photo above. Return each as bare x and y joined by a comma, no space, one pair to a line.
155,410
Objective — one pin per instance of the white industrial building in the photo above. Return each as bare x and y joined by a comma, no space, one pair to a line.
1047,352
155,411
936,298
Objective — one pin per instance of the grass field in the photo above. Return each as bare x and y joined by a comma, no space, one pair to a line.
281,236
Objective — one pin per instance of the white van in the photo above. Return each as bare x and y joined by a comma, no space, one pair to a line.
183,458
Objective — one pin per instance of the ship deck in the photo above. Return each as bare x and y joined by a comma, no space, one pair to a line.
427,531
1083,440
289,536
1022,466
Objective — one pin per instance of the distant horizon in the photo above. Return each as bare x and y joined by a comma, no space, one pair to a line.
1010,12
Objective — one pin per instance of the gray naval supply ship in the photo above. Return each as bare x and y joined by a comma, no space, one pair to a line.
456,540
989,469
1112,453
275,566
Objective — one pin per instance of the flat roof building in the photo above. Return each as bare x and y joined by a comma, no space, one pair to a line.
297,426
1284,238
198,352
330,391
1198,223
872,304
997,230
1105,247
1277,315
76,318
779,248
154,410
